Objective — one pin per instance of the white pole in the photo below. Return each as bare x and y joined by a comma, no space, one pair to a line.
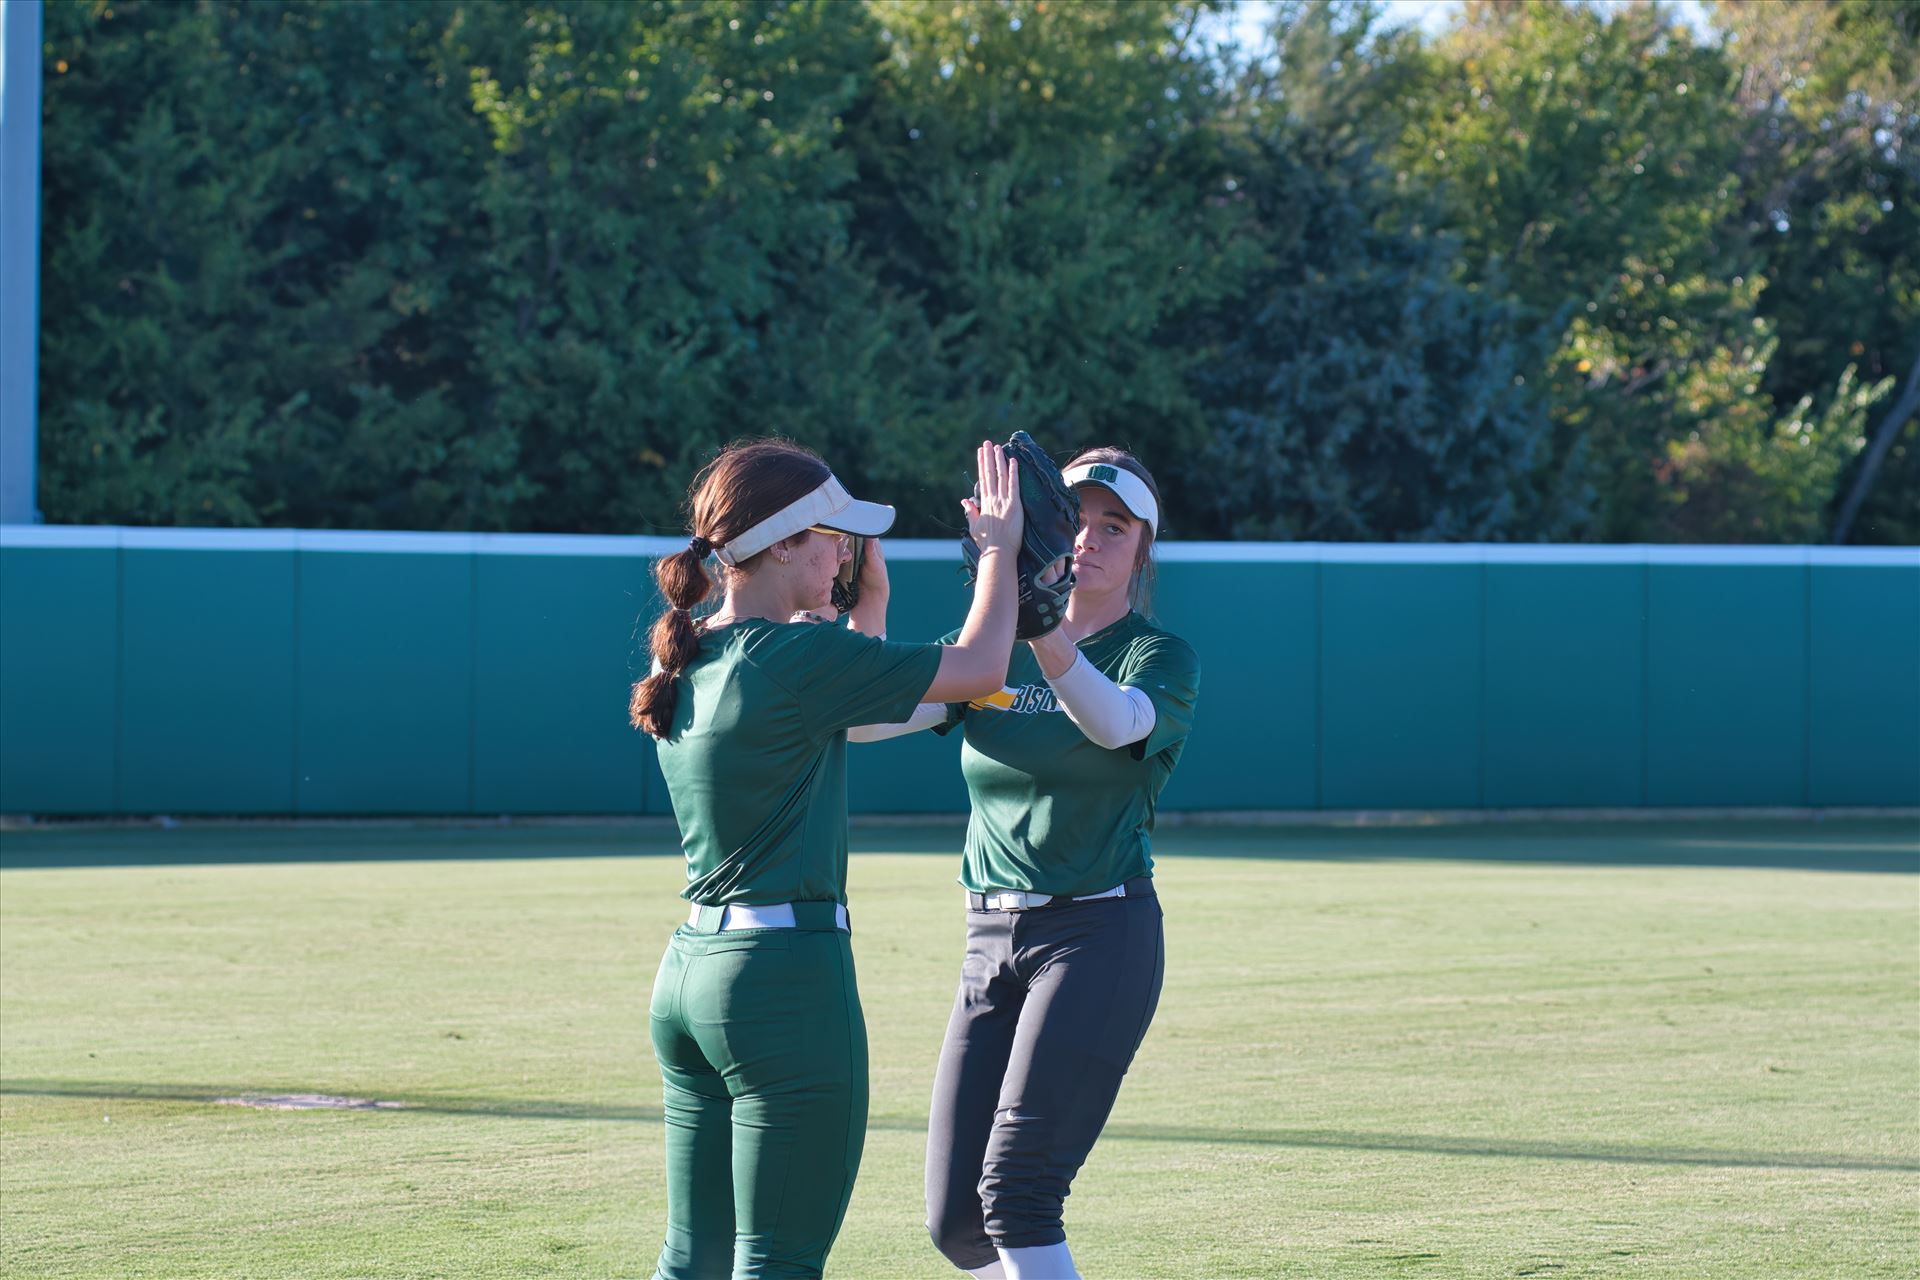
20,37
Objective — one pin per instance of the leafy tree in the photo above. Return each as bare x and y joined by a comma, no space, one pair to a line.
524,264
668,245
255,239
1361,389
1831,180
1036,176
1592,159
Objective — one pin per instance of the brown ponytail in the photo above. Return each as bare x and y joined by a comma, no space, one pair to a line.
748,482
683,580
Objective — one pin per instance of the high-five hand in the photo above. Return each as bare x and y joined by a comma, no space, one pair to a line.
994,516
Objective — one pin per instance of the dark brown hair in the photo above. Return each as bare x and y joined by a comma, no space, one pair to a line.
750,481
1140,587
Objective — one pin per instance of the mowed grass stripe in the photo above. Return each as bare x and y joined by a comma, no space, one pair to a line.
1672,1050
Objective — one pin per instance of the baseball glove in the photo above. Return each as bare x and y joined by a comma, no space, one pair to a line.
846,584
1052,521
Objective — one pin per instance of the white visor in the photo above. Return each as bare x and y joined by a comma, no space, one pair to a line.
829,506
1128,487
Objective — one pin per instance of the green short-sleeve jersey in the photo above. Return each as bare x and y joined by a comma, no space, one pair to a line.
1053,812
756,764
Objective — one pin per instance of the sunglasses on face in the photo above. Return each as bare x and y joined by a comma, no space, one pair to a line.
843,540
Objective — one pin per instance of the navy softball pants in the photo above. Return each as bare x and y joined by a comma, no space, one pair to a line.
1053,1003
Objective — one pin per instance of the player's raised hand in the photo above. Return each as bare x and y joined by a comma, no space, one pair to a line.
869,613
994,516
873,573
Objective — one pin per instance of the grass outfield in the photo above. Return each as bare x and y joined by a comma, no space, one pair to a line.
1679,1050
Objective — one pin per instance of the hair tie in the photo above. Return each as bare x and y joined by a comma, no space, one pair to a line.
699,546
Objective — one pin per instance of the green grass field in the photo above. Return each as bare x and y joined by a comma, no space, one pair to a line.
1633,1050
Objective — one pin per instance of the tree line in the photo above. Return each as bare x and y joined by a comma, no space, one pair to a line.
1554,272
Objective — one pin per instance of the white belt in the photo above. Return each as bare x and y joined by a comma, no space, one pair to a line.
778,915
1015,900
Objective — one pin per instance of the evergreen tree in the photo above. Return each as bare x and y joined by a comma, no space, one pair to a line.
668,256
256,256
1040,178
1361,391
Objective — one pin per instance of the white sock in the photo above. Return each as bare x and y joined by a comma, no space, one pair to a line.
1039,1262
992,1271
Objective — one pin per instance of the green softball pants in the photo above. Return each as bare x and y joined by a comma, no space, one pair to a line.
763,1061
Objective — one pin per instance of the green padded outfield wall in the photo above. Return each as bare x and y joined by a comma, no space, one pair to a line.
261,672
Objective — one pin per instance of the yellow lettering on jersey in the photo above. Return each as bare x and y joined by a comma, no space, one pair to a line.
1027,700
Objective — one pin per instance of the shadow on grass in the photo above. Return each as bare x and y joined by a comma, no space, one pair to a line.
191,844
1876,845
1327,1139
430,1104
1880,845
1888,846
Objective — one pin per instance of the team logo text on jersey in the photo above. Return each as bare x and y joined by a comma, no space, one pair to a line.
1027,700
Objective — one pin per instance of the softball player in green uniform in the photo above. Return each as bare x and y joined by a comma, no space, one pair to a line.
756,1020
1064,943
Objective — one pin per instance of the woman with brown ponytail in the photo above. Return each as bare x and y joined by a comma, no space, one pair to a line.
756,1020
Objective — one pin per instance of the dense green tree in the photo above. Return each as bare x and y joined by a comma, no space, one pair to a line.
667,246
1561,271
256,242
1040,178
1361,390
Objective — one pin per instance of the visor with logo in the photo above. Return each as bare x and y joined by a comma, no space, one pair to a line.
1128,487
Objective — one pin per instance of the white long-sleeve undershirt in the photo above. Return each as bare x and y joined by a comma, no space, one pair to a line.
1111,715
925,716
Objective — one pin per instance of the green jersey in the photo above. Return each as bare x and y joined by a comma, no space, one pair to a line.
757,760
1053,812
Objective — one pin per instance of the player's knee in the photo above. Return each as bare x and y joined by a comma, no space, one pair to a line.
688,1257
